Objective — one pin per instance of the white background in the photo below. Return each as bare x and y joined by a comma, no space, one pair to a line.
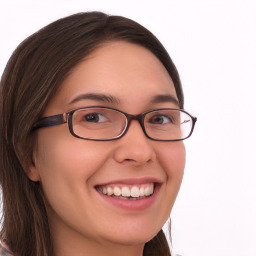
213,44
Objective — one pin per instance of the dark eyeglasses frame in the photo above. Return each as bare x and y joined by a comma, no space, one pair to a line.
67,118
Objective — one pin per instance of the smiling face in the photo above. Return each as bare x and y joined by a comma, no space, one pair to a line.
78,176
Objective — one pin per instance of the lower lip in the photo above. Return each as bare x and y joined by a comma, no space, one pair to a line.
132,205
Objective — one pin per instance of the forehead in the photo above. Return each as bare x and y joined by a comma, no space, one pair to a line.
124,70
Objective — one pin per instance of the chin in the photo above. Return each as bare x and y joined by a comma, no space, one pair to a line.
132,237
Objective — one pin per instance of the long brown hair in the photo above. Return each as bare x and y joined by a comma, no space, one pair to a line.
32,76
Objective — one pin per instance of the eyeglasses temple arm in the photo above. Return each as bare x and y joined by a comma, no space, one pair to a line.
50,121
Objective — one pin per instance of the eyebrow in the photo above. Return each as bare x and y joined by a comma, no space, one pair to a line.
97,97
161,98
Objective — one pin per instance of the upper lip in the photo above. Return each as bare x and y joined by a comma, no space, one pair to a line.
133,181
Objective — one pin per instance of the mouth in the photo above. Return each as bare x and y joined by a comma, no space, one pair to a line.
136,194
127,191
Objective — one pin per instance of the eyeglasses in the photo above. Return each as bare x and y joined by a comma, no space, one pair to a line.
103,123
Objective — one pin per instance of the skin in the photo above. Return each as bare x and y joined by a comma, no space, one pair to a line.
69,168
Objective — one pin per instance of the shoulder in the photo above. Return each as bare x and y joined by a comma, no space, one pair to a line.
4,251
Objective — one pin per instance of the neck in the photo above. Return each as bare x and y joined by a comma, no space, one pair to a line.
91,248
69,242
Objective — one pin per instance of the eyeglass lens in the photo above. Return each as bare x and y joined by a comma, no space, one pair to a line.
104,123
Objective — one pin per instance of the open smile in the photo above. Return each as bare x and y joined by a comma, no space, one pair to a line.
128,195
127,191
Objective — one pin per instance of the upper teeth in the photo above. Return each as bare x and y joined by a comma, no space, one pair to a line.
128,190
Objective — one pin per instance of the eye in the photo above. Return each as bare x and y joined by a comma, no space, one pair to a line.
160,119
94,118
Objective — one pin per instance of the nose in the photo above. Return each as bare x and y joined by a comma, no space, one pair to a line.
134,147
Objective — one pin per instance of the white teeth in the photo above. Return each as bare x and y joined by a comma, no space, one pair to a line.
109,191
126,191
104,191
148,191
135,191
142,191
129,191
117,191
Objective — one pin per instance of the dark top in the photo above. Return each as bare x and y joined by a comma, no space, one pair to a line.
4,251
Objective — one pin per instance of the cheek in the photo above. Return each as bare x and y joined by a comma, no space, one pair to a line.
59,148
66,167
64,162
172,158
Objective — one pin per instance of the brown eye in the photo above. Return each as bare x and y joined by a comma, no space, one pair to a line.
94,118
160,119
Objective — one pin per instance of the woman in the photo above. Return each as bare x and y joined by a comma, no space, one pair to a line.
92,124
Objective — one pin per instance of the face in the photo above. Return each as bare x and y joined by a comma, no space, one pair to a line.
71,170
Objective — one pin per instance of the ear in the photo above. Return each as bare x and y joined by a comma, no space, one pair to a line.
28,161
31,169
32,172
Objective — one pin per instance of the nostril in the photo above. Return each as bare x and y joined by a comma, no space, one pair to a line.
129,155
